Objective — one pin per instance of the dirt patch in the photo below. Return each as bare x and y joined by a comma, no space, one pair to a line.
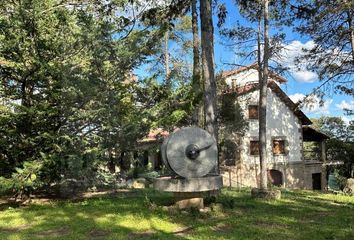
6,201
266,194
42,201
138,235
221,227
183,231
14,229
105,193
96,233
56,232
9,204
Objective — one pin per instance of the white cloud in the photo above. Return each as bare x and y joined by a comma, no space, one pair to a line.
297,97
288,56
313,104
304,76
347,120
316,107
345,105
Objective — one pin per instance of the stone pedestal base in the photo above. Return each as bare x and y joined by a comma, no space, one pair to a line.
265,194
190,192
201,184
185,200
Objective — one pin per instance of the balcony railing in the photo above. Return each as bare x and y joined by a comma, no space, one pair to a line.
312,156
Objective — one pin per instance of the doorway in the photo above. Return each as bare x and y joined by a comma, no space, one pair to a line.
275,177
316,181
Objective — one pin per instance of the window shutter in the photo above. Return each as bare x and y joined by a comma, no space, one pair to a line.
254,147
253,112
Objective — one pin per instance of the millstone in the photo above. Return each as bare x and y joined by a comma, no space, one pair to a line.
163,153
190,152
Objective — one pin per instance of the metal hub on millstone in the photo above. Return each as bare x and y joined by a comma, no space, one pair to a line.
190,152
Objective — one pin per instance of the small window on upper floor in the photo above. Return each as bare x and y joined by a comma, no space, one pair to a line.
279,147
253,112
254,148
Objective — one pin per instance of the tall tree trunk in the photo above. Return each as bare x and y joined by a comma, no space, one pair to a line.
208,68
196,60
23,93
351,33
259,52
263,102
111,164
167,57
197,84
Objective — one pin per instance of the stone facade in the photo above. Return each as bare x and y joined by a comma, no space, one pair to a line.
294,175
284,123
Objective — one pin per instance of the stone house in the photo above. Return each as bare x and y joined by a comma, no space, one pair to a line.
288,130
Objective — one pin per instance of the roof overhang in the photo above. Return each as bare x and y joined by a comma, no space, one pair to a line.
312,135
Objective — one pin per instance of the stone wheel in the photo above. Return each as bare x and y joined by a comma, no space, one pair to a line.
163,153
190,152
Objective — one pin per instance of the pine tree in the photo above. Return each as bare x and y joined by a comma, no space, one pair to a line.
263,88
330,24
207,43
64,73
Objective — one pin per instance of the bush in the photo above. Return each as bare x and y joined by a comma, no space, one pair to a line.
5,186
24,181
349,186
106,179
340,180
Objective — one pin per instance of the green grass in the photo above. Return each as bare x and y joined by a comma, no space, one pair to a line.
298,215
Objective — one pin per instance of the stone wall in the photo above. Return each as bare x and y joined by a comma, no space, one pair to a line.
313,169
295,175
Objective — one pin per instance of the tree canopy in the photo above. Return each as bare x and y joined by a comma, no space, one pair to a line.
68,94
340,146
330,26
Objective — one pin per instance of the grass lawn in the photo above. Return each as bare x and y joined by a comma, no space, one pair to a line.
298,215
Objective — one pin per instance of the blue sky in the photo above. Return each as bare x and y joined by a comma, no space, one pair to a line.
300,83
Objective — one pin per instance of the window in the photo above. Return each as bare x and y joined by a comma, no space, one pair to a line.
253,112
279,147
254,147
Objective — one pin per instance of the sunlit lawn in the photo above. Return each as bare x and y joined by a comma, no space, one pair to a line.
298,215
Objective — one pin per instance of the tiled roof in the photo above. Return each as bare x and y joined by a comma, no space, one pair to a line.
272,75
155,135
249,87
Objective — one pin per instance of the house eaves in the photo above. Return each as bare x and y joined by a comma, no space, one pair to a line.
312,135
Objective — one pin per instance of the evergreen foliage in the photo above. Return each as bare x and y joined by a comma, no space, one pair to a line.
340,146
330,24
68,98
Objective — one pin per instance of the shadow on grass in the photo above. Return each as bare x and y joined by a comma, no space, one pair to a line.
112,217
298,215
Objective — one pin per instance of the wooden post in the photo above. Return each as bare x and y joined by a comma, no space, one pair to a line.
324,166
